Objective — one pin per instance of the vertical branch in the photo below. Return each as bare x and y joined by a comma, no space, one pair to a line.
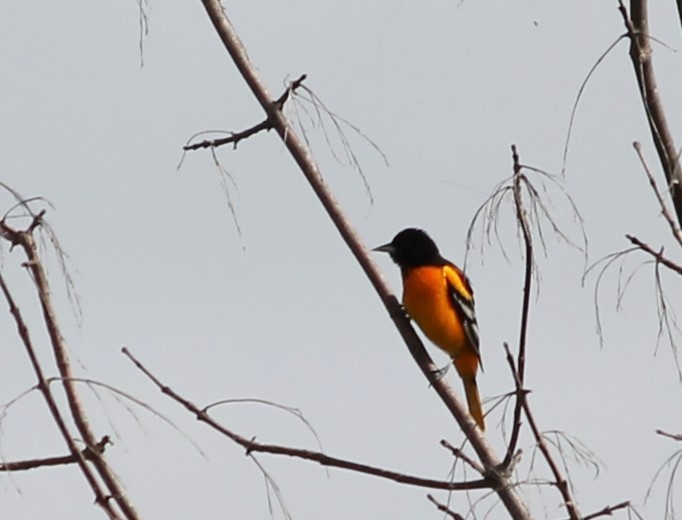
522,222
519,368
34,264
310,170
637,25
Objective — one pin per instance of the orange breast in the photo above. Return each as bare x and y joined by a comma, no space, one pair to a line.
425,297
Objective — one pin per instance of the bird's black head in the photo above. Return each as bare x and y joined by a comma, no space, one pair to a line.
412,248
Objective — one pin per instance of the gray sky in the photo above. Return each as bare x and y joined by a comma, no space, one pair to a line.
283,312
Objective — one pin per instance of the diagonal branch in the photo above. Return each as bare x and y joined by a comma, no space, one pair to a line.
90,477
637,24
609,510
252,446
310,170
658,255
235,137
34,265
674,226
444,509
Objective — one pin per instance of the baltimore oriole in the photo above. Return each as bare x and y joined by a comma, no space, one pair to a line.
438,296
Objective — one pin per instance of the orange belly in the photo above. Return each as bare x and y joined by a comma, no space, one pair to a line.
426,300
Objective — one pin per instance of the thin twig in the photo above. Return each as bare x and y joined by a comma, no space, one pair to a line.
444,509
456,452
579,95
674,226
236,137
608,510
673,436
658,255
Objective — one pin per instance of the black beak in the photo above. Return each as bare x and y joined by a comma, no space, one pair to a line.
386,248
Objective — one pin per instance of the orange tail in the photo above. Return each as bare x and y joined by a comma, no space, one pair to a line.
474,401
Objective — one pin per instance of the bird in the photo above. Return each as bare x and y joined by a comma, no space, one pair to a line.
438,296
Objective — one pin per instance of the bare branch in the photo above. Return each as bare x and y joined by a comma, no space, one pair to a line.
608,510
673,436
459,454
522,223
251,446
637,25
674,227
444,509
658,255
235,137
100,497
26,241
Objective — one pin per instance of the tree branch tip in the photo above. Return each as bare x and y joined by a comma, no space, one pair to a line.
281,100
673,436
609,510
297,83
443,508
37,220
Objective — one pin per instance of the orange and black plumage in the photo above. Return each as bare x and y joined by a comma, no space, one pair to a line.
437,295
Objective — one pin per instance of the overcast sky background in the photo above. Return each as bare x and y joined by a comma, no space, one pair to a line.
283,312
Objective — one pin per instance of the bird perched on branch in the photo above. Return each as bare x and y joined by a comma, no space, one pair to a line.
438,296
